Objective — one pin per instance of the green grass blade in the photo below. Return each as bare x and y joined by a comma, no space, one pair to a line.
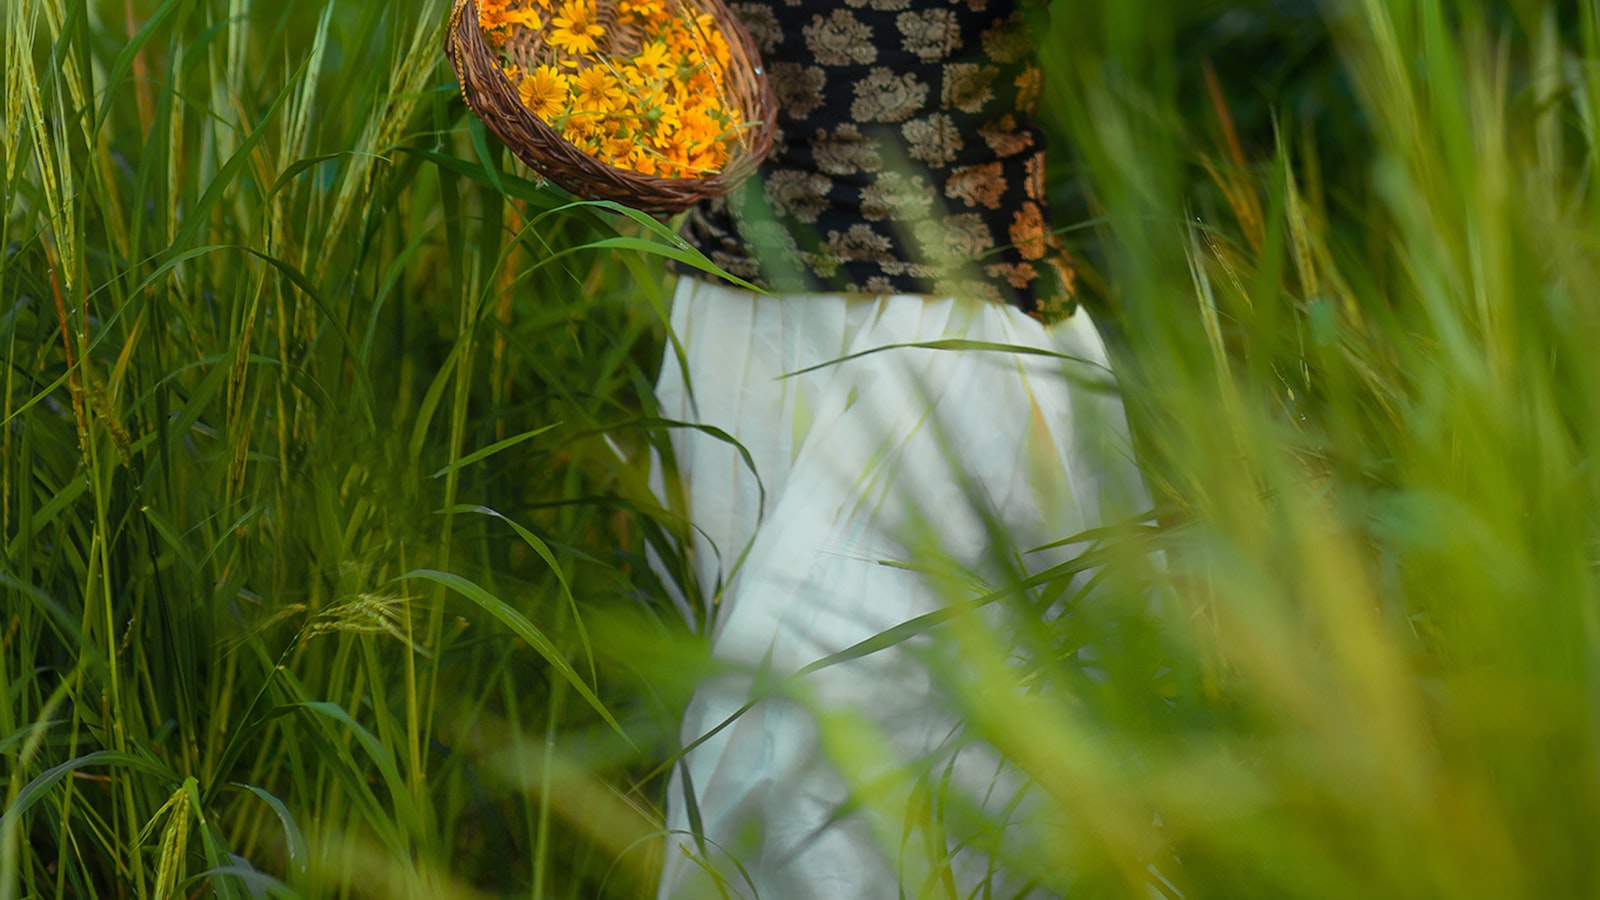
521,627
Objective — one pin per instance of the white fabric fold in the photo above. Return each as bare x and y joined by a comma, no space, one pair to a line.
867,450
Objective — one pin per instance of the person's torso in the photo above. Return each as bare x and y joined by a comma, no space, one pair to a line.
906,159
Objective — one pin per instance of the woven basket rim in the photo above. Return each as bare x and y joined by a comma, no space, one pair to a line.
492,98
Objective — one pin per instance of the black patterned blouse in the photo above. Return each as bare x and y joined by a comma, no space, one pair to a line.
905,159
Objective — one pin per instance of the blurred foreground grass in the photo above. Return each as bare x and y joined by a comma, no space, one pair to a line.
321,473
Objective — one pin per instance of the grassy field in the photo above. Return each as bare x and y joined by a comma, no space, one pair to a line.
322,499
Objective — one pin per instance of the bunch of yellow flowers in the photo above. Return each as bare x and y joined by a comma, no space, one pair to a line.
660,110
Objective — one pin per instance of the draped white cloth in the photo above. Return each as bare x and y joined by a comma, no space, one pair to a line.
866,449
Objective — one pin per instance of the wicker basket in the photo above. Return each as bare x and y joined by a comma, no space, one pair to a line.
494,99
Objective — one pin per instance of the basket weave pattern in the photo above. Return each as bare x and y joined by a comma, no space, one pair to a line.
493,98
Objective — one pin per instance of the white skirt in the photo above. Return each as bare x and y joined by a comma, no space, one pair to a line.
873,461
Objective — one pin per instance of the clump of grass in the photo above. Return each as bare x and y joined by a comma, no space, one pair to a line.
1364,406
283,335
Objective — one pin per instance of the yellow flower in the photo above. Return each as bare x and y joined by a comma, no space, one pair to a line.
665,112
575,30
527,18
631,78
719,49
701,22
617,145
661,111
544,91
630,11
652,60
593,89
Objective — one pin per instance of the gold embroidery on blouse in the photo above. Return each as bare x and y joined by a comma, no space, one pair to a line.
887,96
840,40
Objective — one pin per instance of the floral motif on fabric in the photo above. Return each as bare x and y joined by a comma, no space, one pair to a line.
905,158
840,39
798,88
762,23
931,34
845,151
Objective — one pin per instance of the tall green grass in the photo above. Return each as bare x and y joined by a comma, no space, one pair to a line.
1370,407
322,503
318,420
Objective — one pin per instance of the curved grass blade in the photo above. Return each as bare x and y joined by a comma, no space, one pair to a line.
526,630
40,786
294,839
543,549
494,448
405,808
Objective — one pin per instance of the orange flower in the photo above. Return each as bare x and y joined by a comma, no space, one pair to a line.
497,19
642,162
698,129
